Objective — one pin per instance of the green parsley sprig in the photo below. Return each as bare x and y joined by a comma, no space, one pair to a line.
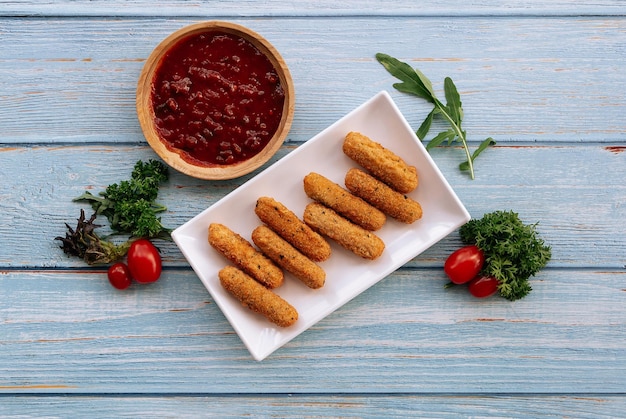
416,83
131,210
513,250
131,206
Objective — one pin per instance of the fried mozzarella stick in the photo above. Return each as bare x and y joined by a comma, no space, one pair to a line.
350,236
256,297
288,257
392,203
327,192
288,226
381,162
240,252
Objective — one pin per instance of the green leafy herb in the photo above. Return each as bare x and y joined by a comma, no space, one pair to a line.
416,83
513,251
130,208
130,205
84,243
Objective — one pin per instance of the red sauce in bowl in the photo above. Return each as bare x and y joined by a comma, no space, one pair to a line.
217,99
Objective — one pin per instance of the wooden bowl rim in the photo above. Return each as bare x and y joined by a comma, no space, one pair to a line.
145,112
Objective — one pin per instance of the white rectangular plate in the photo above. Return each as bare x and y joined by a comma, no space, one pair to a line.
347,275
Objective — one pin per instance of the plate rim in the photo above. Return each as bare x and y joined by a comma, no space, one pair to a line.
178,233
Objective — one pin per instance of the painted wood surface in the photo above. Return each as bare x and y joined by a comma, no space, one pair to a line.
279,8
544,78
579,200
517,84
405,335
297,406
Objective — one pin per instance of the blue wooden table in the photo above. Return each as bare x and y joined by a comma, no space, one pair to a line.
546,79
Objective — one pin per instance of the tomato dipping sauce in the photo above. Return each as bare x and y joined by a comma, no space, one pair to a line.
217,99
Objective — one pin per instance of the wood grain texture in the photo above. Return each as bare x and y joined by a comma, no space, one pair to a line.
517,83
71,330
579,203
544,78
323,405
309,8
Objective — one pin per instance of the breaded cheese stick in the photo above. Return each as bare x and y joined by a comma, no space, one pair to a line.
256,297
381,162
288,257
355,209
392,203
240,252
288,226
350,236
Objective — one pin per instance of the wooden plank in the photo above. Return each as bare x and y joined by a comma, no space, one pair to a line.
324,405
518,82
309,8
580,202
70,332
543,77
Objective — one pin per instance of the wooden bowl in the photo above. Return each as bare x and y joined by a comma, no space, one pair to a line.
178,159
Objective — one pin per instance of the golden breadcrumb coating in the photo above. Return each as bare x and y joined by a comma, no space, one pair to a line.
240,252
361,242
288,257
256,297
288,226
381,162
392,203
355,209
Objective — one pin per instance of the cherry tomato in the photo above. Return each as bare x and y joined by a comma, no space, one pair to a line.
464,264
119,275
144,261
483,286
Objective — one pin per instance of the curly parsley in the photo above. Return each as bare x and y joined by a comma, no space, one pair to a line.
131,209
513,251
131,206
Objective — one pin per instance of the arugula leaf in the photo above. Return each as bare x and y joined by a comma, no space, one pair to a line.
422,131
453,101
440,138
486,143
414,82
425,81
